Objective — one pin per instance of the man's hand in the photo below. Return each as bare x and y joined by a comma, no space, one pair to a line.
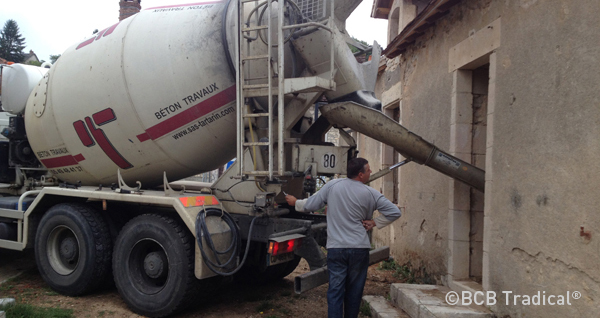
368,224
290,199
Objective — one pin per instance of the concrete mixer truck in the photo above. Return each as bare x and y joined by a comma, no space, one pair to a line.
169,93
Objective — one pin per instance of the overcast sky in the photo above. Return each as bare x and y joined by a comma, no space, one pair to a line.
50,27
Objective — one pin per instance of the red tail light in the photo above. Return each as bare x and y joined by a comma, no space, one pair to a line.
276,248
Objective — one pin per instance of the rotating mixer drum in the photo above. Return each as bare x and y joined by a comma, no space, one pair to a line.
149,94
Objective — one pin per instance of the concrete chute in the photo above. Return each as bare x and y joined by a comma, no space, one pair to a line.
380,127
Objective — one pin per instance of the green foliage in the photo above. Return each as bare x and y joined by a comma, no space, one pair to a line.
29,311
11,42
54,58
365,309
400,271
388,264
35,63
354,49
407,272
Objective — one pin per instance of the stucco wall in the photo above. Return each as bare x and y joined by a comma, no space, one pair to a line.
543,143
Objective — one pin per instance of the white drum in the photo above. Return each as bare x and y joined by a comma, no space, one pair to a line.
152,93
18,80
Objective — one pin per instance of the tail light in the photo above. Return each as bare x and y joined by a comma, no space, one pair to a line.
277,248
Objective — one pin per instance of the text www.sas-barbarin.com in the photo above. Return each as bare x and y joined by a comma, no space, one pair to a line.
201,123
488,298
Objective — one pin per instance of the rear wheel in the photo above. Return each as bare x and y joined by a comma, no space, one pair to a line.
153,265
73,249
291,266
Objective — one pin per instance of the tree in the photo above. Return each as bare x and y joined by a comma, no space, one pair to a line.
11,42
54,58
36,63
355,49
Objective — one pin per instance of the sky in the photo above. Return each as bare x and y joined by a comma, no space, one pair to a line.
50,27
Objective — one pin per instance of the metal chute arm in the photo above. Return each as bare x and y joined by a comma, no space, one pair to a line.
382,128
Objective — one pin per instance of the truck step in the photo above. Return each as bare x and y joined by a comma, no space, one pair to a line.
256,115
257,143
255,57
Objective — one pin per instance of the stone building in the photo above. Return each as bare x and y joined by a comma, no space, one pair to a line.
512,87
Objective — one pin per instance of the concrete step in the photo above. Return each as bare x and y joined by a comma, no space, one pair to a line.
429,301
381,308
6,302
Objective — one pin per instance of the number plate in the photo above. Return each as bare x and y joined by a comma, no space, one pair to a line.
277,259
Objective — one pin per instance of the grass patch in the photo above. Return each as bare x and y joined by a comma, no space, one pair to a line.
8,285
365,309
22,287
50,292
29,311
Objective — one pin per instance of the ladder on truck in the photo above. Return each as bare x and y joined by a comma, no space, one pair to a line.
276,84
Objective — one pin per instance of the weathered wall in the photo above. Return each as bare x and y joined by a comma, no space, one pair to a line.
418,236
546,130
541,161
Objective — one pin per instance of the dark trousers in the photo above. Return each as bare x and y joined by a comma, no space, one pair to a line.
347,276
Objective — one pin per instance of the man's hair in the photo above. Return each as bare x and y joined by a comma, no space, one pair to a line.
356,166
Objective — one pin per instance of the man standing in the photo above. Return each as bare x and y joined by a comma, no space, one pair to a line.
350,207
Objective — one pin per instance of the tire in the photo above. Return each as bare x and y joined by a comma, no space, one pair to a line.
153,265
291,266
73,249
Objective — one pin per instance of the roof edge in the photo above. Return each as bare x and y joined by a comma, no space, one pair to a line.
435,10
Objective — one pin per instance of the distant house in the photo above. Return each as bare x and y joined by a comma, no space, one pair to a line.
30,57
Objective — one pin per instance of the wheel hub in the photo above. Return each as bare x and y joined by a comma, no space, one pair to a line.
68,249
62,250
154,265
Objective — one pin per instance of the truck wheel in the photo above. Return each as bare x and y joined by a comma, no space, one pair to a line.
153,265
291,266
73,248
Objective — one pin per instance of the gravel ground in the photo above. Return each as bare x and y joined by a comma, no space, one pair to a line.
232,300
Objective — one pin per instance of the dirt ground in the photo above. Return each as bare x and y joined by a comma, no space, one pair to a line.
276,300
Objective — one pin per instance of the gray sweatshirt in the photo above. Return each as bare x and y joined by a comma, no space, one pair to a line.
349,202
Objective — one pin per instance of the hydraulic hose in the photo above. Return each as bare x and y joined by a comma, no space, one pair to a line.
234,247
224,38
